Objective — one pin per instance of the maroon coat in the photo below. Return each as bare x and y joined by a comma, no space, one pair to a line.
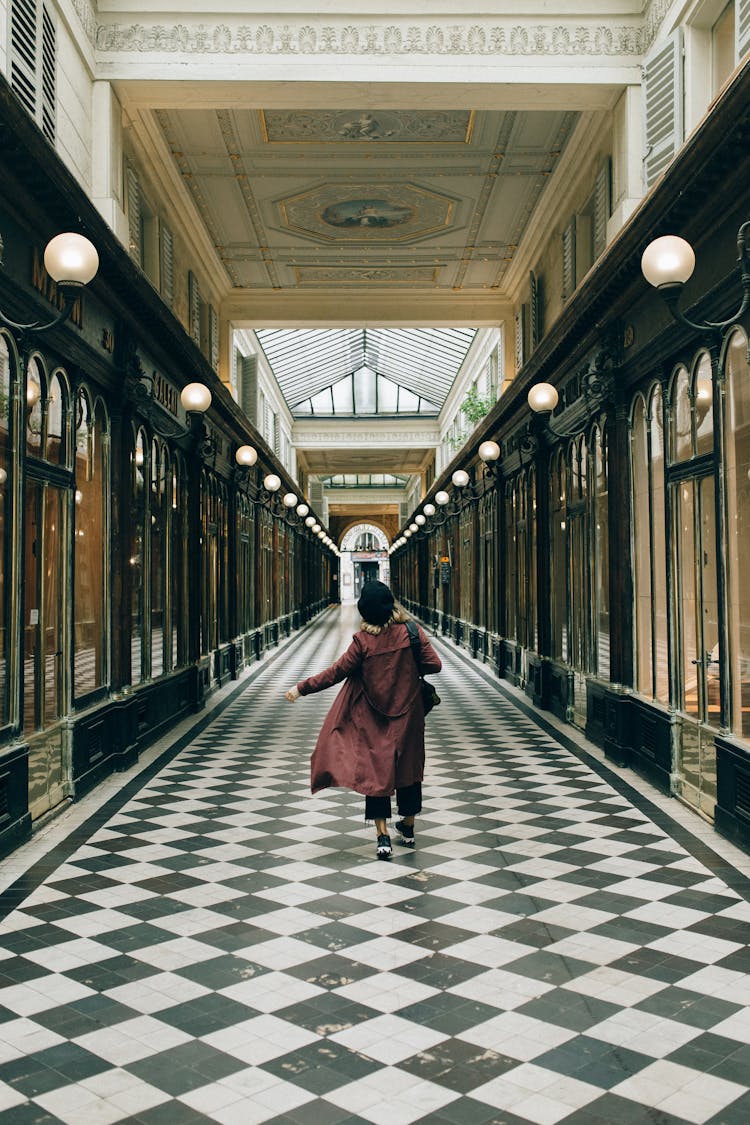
372,740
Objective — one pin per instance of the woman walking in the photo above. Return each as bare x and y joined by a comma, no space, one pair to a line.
372,740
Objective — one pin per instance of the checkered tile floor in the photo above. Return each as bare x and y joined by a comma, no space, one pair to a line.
217,945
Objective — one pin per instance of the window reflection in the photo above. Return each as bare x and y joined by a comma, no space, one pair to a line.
5,474
90,622
738,527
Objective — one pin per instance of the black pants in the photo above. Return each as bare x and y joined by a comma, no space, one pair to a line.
409,800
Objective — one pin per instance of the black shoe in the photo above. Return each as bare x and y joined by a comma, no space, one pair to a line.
385,851
407,833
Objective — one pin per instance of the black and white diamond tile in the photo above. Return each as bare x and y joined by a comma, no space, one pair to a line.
221,947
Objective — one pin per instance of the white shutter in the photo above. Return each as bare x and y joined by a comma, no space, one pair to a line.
248,385
49,79
602,206
662,106
569,259
213,337
535,309
166,264
742,27
520,337
276,435
194,308
23,52
133,194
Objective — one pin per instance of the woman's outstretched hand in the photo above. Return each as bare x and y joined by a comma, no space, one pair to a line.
292,694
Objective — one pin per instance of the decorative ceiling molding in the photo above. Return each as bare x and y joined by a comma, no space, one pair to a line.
577,38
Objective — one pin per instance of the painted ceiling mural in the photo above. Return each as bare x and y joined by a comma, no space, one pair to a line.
404,198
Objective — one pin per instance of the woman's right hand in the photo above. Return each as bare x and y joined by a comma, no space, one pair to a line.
292,694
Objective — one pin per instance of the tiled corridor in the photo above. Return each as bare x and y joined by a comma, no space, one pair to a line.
209,943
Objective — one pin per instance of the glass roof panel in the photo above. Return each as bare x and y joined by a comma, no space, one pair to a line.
424,361
365,480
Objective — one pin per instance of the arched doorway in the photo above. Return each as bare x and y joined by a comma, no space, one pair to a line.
364,558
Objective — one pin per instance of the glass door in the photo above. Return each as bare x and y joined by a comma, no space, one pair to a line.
697,636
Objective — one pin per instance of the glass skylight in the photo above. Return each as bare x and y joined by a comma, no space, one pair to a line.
342,371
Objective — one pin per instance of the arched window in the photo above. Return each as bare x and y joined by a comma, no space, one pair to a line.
738,528
158,530
177,569
7,371
137,560
600,519
55,434
36,387
558,561
90,569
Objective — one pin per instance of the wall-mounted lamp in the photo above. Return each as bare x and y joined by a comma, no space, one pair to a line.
668,263
71,261
596,383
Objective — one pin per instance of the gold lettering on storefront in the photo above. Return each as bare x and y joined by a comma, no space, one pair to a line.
165,394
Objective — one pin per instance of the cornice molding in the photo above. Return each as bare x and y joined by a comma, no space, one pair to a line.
571,38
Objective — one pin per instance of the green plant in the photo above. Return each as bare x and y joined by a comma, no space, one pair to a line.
474,408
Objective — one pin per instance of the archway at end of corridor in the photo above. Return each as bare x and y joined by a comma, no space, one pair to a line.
364,557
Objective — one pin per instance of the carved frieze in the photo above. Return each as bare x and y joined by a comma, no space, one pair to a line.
483,39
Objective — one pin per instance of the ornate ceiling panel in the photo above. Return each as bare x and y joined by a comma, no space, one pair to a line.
317,199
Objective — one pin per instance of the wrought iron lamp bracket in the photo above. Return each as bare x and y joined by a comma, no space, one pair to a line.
672,291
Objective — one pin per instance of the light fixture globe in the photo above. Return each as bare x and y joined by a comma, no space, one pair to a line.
315,528
33,393
70,259
310,521
542,398
321,534
196,397
302,510
289,500
246,456
420,520
429,509
489,451
407,533
271,482
441,498
460,478
668,260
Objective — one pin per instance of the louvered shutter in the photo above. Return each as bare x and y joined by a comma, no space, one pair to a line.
742,27
602,206
403,513
316,495
520,337
569,259
213,337
135,231
663,106
194,308
49,80
23,52
535,309
249,387
276,435
166,264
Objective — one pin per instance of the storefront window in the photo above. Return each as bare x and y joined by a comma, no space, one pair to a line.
157,571
738,528
649,546
511,574
35,385
90,628
177,569
703,406
601,553
137,558
558,562
5,515
54,440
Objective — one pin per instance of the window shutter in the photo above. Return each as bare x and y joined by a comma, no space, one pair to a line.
194,308
535,309
276,435
133,193
663,100
316,495
602,206
249,387
23,52
569,259
166,263
213,337
49,81
403,513
520,337
742,28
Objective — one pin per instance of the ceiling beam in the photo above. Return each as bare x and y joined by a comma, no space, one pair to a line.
346,308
